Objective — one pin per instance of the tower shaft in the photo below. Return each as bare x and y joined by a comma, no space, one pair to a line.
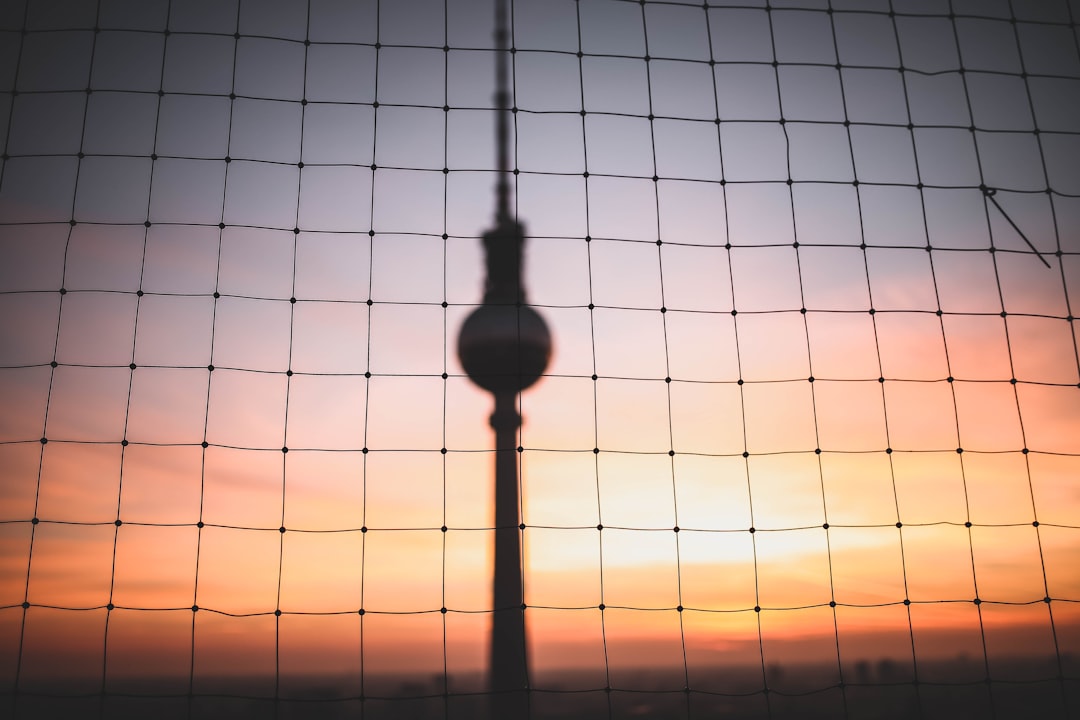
509,674
502,102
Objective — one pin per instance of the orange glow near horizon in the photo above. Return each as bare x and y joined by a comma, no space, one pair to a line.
713,566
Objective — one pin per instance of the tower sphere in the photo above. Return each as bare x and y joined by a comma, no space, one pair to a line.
504,348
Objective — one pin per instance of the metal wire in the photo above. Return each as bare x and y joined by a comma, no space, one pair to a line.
840,694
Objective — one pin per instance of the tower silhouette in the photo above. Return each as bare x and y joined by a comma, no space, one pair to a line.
504,347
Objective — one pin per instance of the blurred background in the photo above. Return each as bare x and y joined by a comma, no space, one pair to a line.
809,443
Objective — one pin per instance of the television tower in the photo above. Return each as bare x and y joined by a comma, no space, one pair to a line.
504,347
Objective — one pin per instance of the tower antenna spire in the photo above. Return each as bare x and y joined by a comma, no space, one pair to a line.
502,102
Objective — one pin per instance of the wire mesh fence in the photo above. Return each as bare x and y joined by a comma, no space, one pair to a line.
808,445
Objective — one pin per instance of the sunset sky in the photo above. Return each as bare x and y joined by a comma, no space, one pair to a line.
841,375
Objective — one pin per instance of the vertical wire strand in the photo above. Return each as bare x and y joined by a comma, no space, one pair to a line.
127,404
881,379
1009,344
740,384
216,295
446,341
592,356
667,361
53,365
719,121
960,439
446,345
367,373
73,222
809,354
1047,599
289,366
922,201
511,96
